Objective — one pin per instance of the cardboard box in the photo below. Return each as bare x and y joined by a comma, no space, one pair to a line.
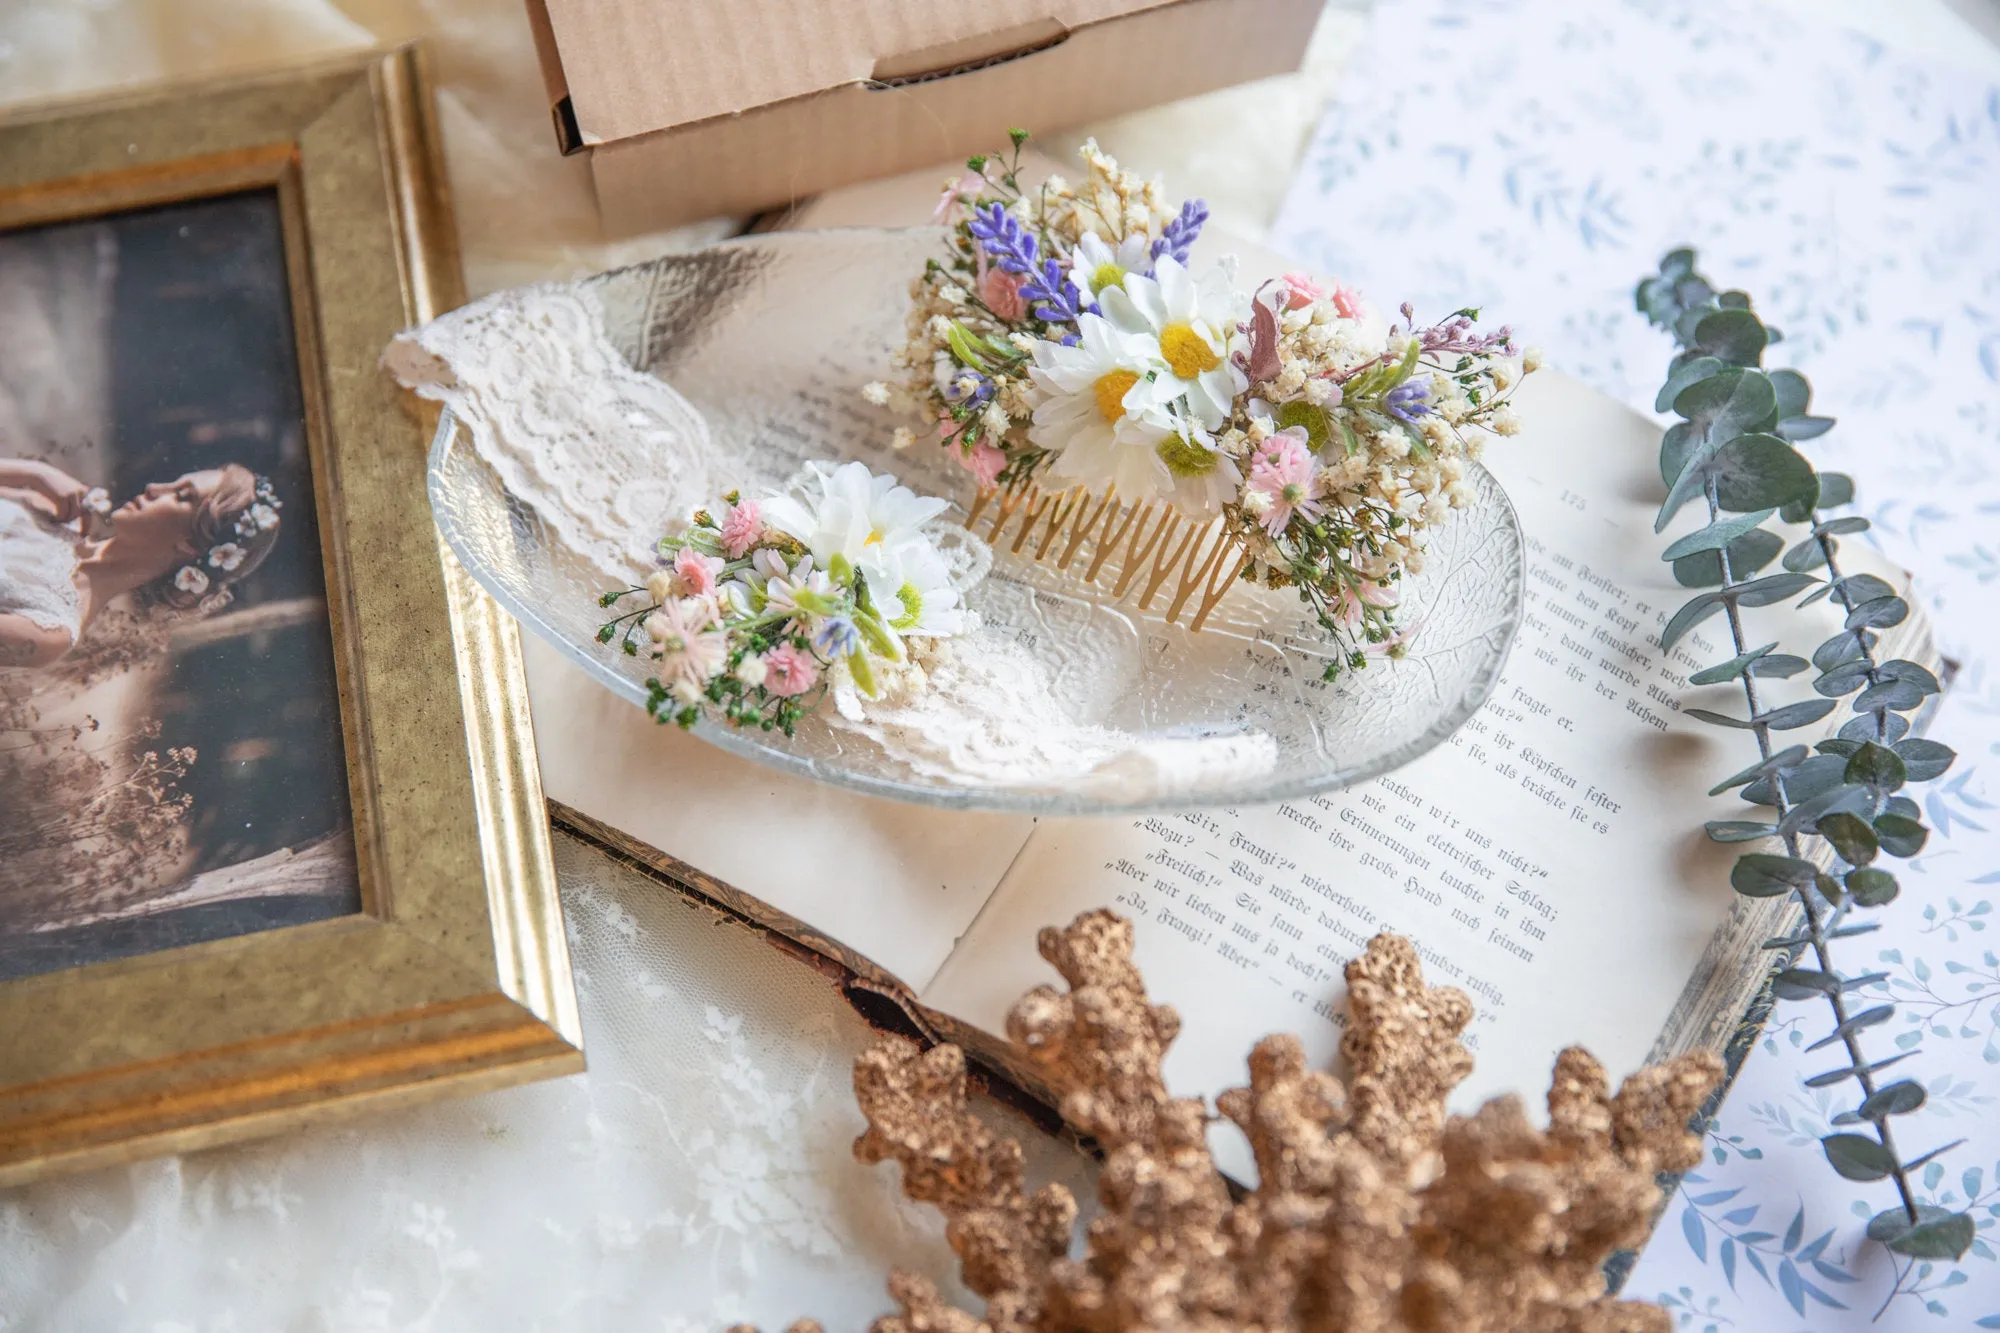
690,108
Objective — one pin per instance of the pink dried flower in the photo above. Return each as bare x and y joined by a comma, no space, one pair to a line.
1347,606
969,186
1301,291
695,574
1283,475
984,462
1001,291
687,641
789,671
1346,300
741,527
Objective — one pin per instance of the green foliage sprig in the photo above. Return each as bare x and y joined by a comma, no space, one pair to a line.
1734,450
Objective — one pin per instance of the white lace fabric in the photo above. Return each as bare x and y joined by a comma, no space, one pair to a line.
612,457
609,455
38,571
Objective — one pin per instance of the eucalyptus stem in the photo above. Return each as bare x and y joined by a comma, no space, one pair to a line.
1807,895
1734,448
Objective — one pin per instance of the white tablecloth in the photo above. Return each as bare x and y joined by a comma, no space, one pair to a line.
699,1173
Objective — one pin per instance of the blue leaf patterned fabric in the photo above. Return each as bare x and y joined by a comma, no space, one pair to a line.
1537,157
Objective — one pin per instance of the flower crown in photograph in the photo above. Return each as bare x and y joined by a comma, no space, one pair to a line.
1098,381
225,557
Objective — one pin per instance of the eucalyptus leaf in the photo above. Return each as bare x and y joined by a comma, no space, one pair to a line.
1697,610
1732,669
1858,588
1716,535
1935,1237
1682,439
1718,409
1784,759
1850,835
1903,805
1736,336
1780,665
1737,830
1871,886
1791,716
1747,554
1880,613
1892,728
1844,798
1857,1156
1760,471
1842,647
1821,773
1843,679
1683,374
1757,875
1896,694
1900,835
1808,554
1841,527
1798,983
1915,673
1839,747
1771,588
1804,428
1898,1098
1867,1018
1720,719
1792,391
1922,759
1835,489
1876,765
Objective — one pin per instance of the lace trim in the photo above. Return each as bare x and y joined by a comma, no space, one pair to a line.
609,456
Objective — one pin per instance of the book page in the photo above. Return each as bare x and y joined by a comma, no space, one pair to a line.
894,882
1549,859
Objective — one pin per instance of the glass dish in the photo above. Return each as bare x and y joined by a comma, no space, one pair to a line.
769,339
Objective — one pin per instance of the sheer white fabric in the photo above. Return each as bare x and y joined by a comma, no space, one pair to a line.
699,1174
38,570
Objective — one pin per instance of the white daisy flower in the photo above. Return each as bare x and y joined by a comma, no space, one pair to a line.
860,515
191,580
916,597
226,557
1093,412
1189,321
1095,265
1204,477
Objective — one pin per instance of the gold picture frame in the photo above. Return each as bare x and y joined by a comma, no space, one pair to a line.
455,975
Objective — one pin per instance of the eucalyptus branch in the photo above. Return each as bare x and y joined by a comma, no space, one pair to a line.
1734,449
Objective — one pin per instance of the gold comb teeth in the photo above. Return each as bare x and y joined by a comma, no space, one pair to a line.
1201,560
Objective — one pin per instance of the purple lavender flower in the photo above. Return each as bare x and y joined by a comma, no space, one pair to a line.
836,637
1177,237
1409,400
967,386
1011,246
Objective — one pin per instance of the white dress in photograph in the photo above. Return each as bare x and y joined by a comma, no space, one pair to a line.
38,570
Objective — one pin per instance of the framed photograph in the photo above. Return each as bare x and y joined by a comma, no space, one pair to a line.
272,844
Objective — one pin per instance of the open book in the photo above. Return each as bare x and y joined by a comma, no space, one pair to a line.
1549,859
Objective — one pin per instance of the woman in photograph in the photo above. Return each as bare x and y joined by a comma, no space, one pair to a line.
178,544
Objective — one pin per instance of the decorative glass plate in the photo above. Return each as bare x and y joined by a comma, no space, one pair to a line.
767,339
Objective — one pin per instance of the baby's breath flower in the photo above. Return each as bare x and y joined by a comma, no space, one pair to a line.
876,392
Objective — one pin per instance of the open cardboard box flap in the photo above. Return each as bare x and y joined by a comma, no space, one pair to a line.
691,108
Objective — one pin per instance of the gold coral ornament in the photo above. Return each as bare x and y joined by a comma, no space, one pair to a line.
1375,1212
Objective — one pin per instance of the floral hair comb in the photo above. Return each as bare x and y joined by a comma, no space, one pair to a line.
1112,396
